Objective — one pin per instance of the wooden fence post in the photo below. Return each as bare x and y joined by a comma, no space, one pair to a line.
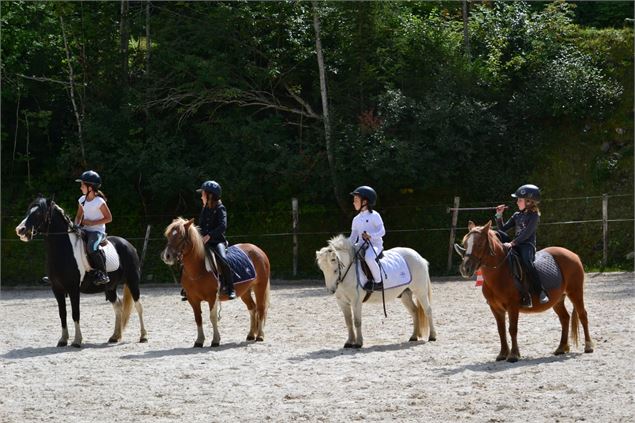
294,212
605,229
455,217
145,247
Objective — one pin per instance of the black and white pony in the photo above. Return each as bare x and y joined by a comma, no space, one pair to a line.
68,268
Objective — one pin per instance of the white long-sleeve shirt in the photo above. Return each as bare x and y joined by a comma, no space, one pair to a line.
371,223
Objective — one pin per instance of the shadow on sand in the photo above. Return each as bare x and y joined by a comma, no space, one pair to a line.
326,354
502,366
175,352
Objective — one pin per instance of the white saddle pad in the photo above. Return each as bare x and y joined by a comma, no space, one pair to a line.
112,258
394,271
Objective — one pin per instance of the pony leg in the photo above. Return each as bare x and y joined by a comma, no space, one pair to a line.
143,334
499,315
579,312
196,307
425,314
563,315
262,304
514,355
348,318
251,307
357,320
213,317
117,307
74,297
61,307
406,299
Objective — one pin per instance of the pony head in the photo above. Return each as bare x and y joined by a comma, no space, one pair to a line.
333,260
36,219
182,239
477,244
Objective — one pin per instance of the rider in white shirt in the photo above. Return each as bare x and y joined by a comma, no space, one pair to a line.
368,229
93,213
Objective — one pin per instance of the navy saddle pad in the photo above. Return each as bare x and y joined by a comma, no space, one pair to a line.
240,264
548,270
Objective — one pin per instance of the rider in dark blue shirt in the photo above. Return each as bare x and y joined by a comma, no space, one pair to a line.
525,223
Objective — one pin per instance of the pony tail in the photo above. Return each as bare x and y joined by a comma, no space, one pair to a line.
101,194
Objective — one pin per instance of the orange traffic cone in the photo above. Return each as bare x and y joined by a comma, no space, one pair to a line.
479,278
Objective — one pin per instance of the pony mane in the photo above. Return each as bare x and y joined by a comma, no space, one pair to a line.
178,224
340,242
42,202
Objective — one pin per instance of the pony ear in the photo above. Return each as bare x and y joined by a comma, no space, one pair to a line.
487,226
188,223
470,225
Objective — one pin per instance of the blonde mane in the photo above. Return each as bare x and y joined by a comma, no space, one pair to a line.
178,225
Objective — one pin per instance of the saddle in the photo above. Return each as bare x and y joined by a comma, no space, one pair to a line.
375,285
520,274
106,249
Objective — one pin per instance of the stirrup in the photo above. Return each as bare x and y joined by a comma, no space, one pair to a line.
527,303
101,278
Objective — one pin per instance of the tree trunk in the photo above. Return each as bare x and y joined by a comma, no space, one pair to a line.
124,38
325,109
71,88
466,38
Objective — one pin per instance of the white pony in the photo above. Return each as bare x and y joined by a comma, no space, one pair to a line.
337,262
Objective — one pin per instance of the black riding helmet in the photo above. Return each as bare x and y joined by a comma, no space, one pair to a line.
529,192
212,187
366,192
90,177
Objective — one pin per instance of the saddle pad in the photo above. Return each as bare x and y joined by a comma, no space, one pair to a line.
548,270
112,258
394,271
240,264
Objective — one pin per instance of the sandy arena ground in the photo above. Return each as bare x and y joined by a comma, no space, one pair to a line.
301,372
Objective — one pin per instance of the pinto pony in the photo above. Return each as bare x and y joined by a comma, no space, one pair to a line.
337,261
185,245
483,250
66,268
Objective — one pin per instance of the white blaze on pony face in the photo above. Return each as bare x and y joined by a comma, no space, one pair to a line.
20,231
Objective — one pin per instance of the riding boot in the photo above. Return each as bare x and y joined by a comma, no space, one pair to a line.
544,298
228,284
525,296
99,264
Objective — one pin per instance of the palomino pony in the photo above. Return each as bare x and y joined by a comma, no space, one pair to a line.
482,249
337,261
185,245
67,268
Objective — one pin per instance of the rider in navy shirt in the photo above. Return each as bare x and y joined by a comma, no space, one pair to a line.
525,222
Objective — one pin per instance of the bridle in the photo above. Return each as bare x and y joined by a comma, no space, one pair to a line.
179,255
491,253
48,220
340,265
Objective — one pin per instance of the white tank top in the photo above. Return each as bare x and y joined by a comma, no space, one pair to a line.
92,211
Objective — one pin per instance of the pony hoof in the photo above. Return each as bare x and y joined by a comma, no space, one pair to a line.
357,346
501,357
250,338
143,340
512,359
413,339
562,350
259,339
432,338
76,345
349,345
198,345
113,340
62,343
588,350
215,344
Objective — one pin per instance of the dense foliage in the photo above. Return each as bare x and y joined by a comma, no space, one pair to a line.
159,96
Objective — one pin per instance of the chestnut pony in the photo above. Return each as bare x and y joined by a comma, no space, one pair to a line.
482,249
185,245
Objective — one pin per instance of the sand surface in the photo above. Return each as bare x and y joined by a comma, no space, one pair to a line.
301,372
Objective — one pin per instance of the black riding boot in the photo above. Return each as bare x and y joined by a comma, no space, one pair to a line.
227,283
99,264
525,296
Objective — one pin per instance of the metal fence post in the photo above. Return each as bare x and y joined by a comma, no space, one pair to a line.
455,217
605,229
295,216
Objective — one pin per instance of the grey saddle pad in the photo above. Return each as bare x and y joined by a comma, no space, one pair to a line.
548,269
